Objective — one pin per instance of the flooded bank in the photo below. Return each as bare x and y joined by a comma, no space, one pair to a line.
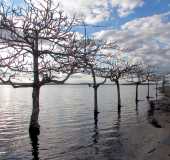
150,141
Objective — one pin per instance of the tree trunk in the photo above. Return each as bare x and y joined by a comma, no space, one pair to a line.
95,102
163,84
118,95
148,95
95,86
34,125
136,99
156,90
137,84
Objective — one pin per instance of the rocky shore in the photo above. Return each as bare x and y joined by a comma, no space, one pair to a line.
150,141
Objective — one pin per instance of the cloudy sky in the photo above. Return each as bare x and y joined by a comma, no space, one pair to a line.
142,26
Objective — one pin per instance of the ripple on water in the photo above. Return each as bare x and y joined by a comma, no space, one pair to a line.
68,130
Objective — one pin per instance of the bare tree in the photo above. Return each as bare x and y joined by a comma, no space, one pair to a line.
156,78
149,71
163,83
117,67
90,56
137,75
36,42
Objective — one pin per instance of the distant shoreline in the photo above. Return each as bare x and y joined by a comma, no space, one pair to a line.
79,84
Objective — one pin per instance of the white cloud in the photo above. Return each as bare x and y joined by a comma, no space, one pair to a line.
94,11
98,10
91,11
146,38
125,7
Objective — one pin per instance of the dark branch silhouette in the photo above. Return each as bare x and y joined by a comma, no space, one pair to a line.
36,42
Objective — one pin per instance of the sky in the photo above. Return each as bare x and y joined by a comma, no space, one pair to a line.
142,26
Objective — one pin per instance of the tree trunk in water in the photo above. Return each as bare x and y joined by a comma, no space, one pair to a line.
95,102
118,95
136,99
156,90
137,84
95,87
163,84
34,125
148,90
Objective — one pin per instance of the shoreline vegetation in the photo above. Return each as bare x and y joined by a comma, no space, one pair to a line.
150,141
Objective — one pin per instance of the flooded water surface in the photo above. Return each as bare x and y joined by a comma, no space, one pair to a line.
68,130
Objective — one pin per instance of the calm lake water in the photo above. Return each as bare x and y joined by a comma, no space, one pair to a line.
68,131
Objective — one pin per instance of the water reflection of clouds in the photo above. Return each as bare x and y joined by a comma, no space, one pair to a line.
67,124
5,95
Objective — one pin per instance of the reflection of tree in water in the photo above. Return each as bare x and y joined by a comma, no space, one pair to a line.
118,120
96,134
116,147
35,145
151,118
137,109
107,144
